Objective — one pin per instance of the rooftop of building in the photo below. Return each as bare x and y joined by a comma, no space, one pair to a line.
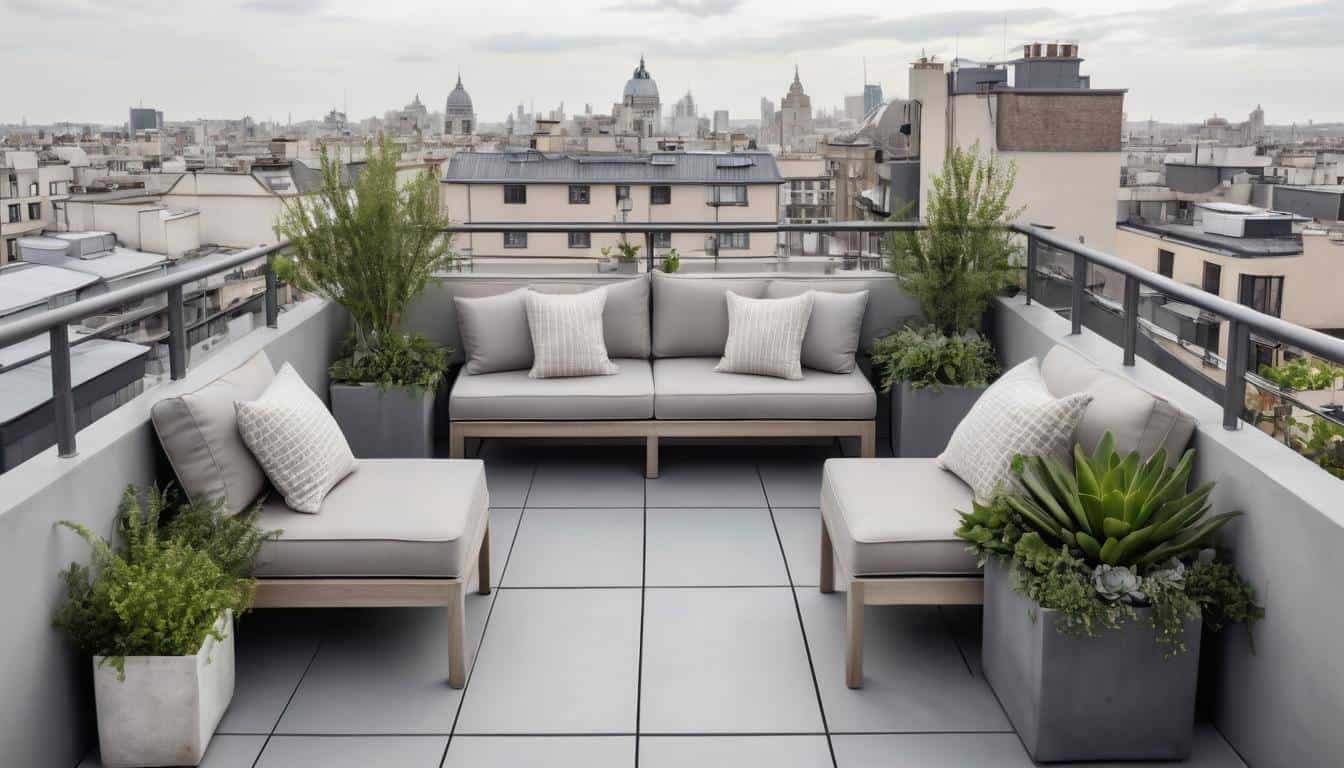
752,167
1243,247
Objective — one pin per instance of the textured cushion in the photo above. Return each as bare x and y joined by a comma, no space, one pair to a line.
567,335
690,388
765,336
833,331
1016,415
895,517
394,517
494,332
690,314
199,432
296,440
513,396
625,319
1140,420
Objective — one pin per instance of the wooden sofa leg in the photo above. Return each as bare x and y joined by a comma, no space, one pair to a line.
483,564
827,580
868,441
651,456
457,634
457,442
854,635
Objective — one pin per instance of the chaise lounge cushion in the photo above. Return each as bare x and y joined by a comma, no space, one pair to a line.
895,517
690,388
393,518
513,396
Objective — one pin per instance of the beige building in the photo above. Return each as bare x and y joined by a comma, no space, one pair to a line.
31,183
684,188
795,118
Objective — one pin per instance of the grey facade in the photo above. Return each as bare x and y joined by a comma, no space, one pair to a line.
1320,203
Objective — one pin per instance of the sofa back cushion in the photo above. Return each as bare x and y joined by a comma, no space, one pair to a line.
199,432
494,332
690,314
834,328
625,319
1140,420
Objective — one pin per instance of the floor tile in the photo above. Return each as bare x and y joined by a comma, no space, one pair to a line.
800,533
541,752
713,547
914,676
558,547
704,483
964,621
792,483
725,661
383,671
275,646
508,482
604,481
712,751
556,661
503,526
225,751
353,751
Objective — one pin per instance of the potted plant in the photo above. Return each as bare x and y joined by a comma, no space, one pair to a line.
933,380
1098,582
372,245
954,268
627,257
671,261
157,614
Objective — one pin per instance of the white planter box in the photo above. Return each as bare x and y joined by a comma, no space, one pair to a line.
167,708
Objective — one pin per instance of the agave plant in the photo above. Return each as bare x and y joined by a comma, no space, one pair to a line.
1119,510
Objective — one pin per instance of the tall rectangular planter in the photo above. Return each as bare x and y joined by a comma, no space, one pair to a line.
922,420
1110,697
396,423
167,708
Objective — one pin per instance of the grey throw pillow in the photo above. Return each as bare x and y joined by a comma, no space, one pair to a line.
494,332
690,314
833,330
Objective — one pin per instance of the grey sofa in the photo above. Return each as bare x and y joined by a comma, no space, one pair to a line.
666,333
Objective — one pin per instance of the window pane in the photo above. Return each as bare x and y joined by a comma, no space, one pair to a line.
622,192
515,194
515,239
662,239
580,239
578,194
660,195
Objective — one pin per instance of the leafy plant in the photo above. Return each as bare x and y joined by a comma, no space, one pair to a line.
371,245
672,261
1302,375
924,357
1323,443
162,590
965,255
627,251
400,361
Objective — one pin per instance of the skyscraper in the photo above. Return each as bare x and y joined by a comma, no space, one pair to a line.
872,96
766,134
795,116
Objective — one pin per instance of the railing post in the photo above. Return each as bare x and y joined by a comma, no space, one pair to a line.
1131,317
62,391
272,296
1031,266
1079,285
1234,389
177,334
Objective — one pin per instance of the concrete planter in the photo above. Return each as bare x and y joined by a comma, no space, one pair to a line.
627,267
396,423
922,420
1111,697
167,708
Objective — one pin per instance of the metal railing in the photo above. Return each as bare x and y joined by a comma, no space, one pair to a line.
56,322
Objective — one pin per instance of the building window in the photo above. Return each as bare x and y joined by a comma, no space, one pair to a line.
734,241
579,194
515,194
54,188
660,195
1213,277
662,239
13,212
13,187
580,240
33,189
1262,293
622,193
515,239
727,194
35,211
11,250
1166,262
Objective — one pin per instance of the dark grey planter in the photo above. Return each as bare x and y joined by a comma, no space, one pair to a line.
396,423
1110,697
922,420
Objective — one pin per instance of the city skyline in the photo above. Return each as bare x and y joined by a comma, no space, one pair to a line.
338,58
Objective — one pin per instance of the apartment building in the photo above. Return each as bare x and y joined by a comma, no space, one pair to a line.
30,183
683,188
807,196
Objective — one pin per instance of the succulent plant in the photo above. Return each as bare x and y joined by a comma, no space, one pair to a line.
1116,582
1118,510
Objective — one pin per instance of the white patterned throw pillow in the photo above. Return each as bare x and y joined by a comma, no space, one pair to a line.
567,336
765,336
295,440
1017,414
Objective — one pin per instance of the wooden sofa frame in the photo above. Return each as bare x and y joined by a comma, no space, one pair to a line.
653,429
348,592
888,590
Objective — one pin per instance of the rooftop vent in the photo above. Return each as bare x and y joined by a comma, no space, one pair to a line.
734,161
663,159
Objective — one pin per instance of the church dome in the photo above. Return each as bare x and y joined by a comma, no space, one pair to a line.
458,101
641,84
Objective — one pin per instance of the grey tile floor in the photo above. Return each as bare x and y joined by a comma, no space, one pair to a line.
668,622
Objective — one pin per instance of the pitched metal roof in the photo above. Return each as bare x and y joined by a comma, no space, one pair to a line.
656,168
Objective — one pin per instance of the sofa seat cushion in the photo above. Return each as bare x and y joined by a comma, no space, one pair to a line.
412,518
513,396
690,388
895,517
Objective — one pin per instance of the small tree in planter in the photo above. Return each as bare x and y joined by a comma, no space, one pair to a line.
372,245
1097,582
953,268
157,616
672,261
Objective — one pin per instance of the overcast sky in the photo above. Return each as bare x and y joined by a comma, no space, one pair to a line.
88,60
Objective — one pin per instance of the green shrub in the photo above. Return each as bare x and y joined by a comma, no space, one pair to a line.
399,361
1302,375
924,357
672,261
